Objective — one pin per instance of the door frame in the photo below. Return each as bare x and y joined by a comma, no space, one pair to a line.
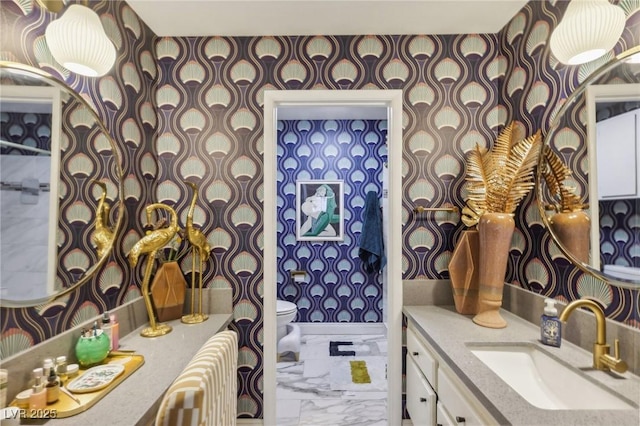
392,100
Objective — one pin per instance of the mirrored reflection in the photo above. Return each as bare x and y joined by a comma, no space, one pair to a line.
56,162
603,115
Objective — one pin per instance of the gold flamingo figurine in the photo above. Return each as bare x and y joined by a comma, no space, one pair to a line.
103,235
200,245
150,244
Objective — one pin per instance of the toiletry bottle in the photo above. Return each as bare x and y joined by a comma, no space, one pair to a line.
52,387
107,328
550,325
61,369
115,332
38,398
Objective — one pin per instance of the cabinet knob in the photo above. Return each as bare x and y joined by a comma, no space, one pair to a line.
460,419
423,399
415,353
439,424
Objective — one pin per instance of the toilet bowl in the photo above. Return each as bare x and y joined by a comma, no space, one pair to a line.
285,313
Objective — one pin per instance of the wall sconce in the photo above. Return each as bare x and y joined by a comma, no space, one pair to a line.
588,30
79,43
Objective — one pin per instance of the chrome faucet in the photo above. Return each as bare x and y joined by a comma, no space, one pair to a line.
602,360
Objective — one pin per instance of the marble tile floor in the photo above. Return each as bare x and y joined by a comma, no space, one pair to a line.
317,389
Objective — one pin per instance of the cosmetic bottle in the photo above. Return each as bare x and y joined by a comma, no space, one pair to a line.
550,325
107,328
61,368
115,332
52,387
38,398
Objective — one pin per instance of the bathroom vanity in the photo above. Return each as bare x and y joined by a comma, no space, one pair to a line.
449,384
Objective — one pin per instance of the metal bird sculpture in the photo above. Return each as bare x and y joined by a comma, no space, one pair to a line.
201,246
103,235
150,244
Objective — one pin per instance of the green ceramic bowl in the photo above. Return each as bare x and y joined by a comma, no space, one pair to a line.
92,350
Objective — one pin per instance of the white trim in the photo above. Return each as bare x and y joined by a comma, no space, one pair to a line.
392,100
249,422
368,328
601,93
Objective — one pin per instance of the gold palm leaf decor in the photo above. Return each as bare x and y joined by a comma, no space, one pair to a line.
555,172
500,178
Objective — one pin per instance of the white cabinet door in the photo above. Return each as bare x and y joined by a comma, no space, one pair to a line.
617,151
421,399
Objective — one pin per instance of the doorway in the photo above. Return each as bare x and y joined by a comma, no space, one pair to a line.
300,99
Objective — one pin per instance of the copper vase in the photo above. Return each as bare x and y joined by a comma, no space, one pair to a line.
168,291
572,229
495,231
464,271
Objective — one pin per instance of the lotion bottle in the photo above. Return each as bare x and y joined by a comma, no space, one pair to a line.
115,332
38,398
107,328
550,325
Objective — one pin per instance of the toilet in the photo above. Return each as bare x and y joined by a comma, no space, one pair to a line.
288,334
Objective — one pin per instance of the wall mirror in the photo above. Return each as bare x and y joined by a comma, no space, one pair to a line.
60,188
596,135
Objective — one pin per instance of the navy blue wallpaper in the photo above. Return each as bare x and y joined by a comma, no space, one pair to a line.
336,288
620,232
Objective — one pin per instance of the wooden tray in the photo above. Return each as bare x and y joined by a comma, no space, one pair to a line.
67,407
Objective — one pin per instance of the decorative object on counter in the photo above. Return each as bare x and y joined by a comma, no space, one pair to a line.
92,347
150,244
103,234
571,223
201,246
498,179
168,290
38,397
602,360
464,270
550,325
95,378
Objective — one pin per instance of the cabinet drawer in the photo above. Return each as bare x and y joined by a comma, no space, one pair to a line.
421,399
422,356
457,404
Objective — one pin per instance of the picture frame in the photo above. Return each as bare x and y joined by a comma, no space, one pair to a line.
319,210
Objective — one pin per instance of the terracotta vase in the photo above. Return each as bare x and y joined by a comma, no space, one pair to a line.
168,291
464,271
572,229
495,231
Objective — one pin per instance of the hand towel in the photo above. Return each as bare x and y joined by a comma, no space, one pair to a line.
371,250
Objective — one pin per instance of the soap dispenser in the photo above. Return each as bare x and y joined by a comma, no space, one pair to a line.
550,325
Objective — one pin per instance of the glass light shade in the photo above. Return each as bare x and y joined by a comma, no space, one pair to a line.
588,30
78,42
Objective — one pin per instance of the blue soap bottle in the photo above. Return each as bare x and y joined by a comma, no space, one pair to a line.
550,325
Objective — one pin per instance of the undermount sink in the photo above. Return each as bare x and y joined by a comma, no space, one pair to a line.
544,381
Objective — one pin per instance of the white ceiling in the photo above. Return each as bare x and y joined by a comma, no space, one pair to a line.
324,17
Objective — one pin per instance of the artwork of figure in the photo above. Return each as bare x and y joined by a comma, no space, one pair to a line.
319,213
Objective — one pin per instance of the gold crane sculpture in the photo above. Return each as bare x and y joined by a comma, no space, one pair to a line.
150,244
200,245
103,235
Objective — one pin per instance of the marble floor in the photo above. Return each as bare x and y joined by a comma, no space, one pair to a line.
318,389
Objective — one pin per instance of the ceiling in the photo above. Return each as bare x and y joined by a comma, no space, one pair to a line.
324,17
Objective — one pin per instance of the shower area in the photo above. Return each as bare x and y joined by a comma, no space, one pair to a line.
338,373
25,197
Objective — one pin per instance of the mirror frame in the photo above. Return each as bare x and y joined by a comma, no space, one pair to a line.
582,89
88,275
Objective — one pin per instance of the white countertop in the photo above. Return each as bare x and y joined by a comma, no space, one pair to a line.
136,400
449,332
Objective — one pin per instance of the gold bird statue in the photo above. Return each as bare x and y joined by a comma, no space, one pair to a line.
200,245
103,235
150,244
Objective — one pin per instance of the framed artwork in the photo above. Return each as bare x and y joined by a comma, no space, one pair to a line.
319,210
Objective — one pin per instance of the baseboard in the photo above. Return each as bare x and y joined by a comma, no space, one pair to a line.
341,328
407,422
249,422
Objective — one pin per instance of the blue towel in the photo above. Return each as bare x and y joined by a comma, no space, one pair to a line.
371,241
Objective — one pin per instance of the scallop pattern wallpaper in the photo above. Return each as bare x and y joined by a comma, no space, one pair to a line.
620,232
124,99
336,288
191,109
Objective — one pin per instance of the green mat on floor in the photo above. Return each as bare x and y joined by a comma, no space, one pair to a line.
359,372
